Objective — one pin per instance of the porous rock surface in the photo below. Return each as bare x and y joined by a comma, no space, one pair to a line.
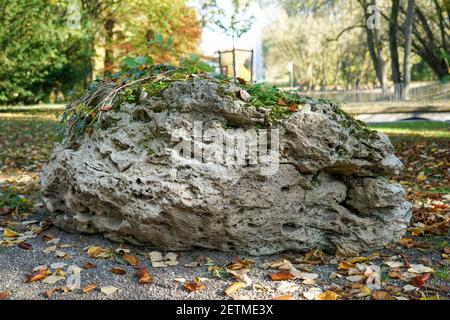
127,180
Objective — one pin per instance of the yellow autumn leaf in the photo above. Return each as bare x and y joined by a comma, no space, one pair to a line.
417,232
365,291
345,265
421,177
436,297
238,285
358,259
327,295
10,233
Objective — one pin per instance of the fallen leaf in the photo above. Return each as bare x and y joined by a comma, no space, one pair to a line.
365,291
60,254
108,290
293,108
131,260
395,275
25,246
287,287
327,295
421,177
89,288
155,256
117,270
159,264
239,263
49,250
358,260
312,293
89,265
345,265
144,276
382,295
37,276
58,265
192,286
283,275
241,81
285,297
281,102
419,281
419,268
355,278
52,279
4,295
238,285
98,252
9,233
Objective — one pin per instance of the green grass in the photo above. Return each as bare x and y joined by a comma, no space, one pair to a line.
433,129
443,273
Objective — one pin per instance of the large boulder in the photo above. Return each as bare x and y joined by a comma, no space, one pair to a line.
138,175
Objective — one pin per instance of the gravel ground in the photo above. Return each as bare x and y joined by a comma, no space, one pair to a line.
16,263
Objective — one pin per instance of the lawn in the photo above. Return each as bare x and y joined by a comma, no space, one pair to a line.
408,129
27,139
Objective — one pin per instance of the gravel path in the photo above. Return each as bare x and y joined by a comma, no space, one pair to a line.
16,263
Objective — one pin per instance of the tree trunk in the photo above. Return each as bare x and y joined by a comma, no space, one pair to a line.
408,41
393,45
109,50
375,50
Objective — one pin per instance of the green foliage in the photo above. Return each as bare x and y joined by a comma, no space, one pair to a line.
38,53
193,64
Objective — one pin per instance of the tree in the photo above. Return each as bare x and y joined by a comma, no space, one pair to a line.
38,53
408,41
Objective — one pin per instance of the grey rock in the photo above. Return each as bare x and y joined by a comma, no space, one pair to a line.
129,182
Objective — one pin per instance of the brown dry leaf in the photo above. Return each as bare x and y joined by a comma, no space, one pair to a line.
345,265
281,102
89,265
192,286
327,295
25,246
241,81
37,276
239,263
293,108
446,249
89,288
419,281
47,237
395,275
285,297
406,242
131,260
382,295
238,285
283,275
144,276
4,295
117,270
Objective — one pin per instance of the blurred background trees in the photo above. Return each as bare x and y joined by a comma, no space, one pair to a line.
41,58
326,42
331,47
